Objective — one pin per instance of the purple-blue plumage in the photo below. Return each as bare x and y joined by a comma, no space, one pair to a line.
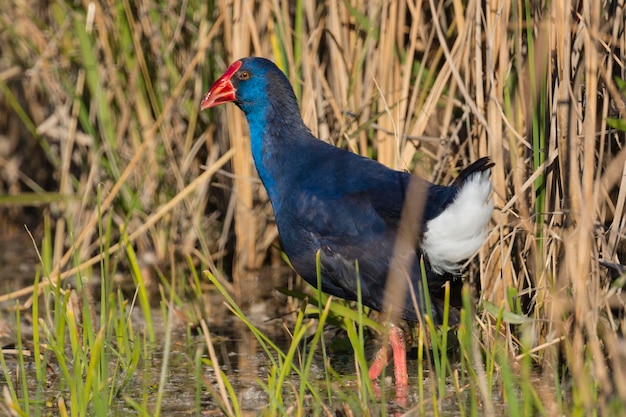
346,206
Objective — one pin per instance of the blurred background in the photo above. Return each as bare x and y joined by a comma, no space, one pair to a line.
102,144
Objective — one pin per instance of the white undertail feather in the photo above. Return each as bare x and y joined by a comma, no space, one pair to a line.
457,233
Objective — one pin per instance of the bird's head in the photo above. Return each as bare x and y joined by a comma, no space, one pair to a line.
253,84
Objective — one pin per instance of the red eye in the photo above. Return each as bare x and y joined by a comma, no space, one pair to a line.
243,75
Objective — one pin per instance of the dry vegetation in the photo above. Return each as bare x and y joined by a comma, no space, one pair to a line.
99,113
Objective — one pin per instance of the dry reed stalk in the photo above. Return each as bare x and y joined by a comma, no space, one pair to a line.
387,74
237,43
497,65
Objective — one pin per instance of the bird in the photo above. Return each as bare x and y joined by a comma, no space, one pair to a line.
348,208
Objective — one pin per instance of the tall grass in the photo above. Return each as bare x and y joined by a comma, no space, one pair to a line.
101,133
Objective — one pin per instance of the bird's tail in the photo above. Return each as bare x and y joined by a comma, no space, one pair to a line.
460,230
480,165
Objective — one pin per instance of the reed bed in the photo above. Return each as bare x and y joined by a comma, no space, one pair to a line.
105,157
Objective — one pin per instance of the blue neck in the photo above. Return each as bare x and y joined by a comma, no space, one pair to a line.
275,127
261,153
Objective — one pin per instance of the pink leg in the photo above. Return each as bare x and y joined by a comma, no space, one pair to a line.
396,340
398,348
380,361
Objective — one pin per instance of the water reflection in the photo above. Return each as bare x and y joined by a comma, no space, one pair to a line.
251,396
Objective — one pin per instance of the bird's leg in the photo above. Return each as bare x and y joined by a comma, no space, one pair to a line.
380,361
398,348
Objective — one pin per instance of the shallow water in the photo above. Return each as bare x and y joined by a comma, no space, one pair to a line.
243,362
238,354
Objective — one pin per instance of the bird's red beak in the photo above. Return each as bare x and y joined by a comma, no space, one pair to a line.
222,91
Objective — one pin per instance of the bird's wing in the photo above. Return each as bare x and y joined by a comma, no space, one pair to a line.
350,227
355,239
